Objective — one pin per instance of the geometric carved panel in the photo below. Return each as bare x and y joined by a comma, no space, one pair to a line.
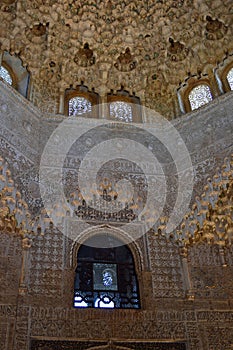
167,279
63,344
82,345
46,263
154,346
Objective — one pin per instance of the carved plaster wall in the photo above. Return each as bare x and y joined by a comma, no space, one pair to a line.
43,310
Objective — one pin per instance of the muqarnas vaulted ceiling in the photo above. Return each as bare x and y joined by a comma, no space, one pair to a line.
149,47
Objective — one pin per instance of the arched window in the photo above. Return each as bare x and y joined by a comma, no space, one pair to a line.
80,101
199,96
15,74
79,105
124,107
105,277
230,78
121,111
5,75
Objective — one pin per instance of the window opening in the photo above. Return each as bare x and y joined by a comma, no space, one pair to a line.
106,277
199,96
121,111
5,75
79,105
230,78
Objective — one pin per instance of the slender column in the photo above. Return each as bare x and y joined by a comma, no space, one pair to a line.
214,85
188,282
143,112
222,256
24,268
61,102
219,82
1,57
102,89
103,109
181,103
30,89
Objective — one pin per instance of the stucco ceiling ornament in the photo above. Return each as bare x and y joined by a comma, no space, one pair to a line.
85,56
36,34
215,29
125,62
8,2
177,51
